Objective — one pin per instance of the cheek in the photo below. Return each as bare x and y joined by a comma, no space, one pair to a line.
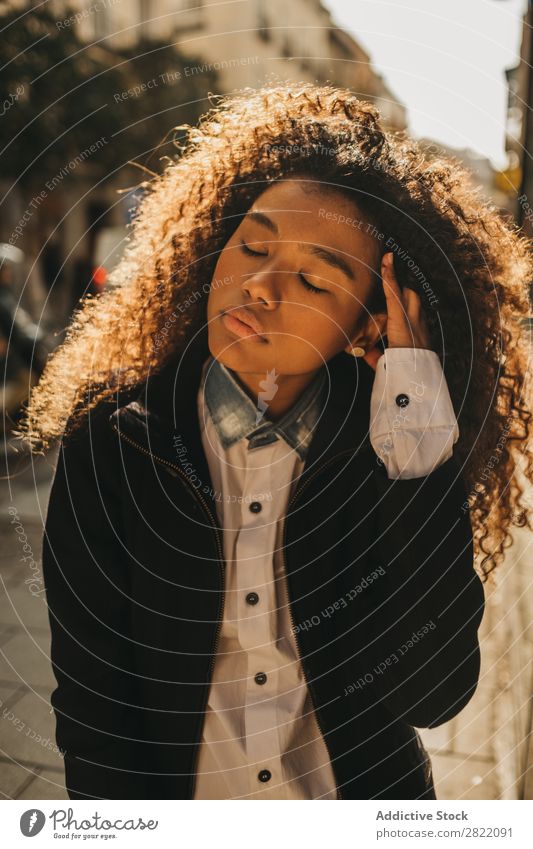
330,320
313,331
221,268
331,328
351,315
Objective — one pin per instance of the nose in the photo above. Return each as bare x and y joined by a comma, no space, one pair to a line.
263,287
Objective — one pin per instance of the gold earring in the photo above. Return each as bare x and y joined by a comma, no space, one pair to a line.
358,351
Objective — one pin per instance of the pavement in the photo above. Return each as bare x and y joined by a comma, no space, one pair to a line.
480,754
462,750
31,767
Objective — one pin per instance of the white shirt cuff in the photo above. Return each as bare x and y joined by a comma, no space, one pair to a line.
412,421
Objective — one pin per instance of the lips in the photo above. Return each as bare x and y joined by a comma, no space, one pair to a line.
247,317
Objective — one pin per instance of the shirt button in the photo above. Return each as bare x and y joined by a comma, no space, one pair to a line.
260,678
256,507
252,598
264,775
402,400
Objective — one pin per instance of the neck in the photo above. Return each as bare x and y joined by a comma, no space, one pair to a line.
279,393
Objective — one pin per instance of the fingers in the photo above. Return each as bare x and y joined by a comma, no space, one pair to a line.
397,300
392,288
396,305
390,284
413,307
406,322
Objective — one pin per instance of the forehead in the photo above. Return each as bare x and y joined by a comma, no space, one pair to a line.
307,211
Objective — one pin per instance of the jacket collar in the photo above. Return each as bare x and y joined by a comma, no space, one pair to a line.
235,415
166,409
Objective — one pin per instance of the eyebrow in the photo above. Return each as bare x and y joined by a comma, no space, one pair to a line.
321,253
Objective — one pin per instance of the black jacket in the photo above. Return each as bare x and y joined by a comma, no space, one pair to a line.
384,599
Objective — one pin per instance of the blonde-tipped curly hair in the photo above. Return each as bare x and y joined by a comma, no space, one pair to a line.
478,266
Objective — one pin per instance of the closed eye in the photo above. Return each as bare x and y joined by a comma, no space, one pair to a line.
309,286
249,251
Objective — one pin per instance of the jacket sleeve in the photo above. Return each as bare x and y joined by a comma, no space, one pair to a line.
87,589
423,655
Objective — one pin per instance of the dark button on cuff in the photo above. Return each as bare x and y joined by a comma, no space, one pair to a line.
252,598
256,507
260,678
402,400
264,775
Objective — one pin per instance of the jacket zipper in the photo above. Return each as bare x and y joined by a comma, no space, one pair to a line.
222,577
222,574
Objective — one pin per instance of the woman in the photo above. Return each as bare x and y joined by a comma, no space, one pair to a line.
259,545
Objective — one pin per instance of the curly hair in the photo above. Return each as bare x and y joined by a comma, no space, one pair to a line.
478,265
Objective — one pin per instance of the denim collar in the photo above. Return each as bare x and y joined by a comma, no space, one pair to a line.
235,415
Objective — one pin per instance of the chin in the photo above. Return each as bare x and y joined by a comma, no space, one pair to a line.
238,358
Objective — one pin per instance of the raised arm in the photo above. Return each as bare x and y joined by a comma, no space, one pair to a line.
422,636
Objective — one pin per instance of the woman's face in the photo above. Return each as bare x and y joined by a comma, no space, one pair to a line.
289,244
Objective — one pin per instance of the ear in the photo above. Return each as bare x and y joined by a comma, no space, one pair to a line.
369,333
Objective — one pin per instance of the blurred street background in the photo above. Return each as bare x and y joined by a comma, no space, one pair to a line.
92,97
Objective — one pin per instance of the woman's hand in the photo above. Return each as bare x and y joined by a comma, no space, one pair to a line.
406,324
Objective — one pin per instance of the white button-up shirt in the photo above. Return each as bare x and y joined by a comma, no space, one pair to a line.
260,737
